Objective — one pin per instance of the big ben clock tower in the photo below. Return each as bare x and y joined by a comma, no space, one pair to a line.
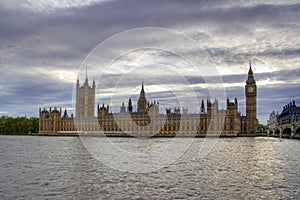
251,91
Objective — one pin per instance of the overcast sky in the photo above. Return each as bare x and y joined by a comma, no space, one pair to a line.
195,50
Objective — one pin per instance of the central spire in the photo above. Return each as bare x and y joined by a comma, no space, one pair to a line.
250,72
86,77
142,102
142,90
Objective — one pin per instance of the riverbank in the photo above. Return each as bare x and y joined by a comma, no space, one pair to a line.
120,135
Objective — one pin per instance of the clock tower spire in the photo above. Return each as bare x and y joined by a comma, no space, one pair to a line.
142,102
251,93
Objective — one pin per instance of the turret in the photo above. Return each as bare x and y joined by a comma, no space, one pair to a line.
202,107
102,111
216,103
123,108
185,111
177,111
86,83
77,83
129,108
94,84
168,111
208,103
212,108
65,114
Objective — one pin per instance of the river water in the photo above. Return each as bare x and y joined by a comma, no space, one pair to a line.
33,167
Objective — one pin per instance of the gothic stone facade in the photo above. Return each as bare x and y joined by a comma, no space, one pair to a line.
290,114
147,121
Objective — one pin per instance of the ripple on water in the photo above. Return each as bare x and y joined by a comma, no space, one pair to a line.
235,168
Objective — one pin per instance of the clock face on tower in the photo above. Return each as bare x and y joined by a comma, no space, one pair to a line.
250,89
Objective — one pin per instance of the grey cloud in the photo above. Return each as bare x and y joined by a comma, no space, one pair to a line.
61,39
282,52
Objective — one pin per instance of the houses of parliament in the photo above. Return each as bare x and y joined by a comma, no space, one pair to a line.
147,120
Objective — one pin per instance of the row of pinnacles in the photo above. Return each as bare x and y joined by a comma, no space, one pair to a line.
148,121
51,121
214,121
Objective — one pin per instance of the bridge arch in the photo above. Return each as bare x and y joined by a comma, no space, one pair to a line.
287,132
297,132
277,132
271,132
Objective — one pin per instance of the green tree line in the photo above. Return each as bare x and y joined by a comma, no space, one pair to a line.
18,125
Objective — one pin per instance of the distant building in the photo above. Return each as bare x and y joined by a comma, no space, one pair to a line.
147,121
51,121
290,113
272,122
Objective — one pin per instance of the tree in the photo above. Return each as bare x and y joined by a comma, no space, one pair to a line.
18,125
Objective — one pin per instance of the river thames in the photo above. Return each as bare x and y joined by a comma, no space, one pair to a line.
33,167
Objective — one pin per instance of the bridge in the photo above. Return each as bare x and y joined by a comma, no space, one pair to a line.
286,130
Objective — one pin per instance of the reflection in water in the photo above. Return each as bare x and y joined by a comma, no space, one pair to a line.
236,168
